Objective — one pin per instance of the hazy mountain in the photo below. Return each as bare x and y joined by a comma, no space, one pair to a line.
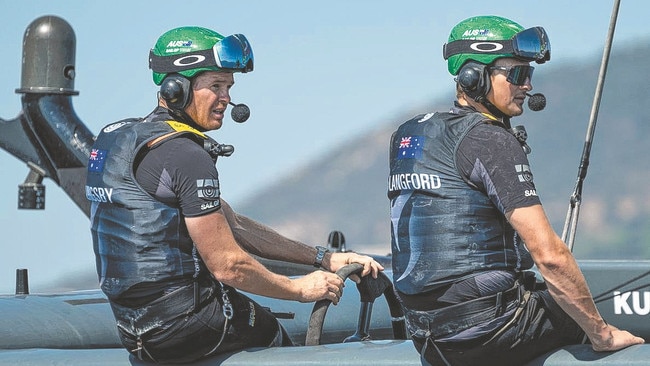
346,189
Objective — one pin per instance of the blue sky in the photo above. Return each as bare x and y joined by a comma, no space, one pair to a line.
325,72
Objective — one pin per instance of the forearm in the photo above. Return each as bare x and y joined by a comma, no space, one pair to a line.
557,265
230,264
564,279
261,240
247,274
569,288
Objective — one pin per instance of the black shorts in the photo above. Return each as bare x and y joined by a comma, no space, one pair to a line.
199,334
541,327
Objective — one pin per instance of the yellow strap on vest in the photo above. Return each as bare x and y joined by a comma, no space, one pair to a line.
182,127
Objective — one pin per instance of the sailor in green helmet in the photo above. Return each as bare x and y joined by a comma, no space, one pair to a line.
171,253
468,225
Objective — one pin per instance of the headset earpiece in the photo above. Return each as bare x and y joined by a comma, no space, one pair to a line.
474,80
175,90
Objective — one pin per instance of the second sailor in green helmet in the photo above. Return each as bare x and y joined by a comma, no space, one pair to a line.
467,224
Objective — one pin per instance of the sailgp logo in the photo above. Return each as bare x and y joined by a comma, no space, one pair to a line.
622,302
114,126
523,173
426,117
207,188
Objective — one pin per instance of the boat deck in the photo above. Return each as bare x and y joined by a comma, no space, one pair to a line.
376,353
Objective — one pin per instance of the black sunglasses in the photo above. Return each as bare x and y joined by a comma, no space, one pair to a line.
516,75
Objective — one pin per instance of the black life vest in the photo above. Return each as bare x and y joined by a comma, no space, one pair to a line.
442,229
141,244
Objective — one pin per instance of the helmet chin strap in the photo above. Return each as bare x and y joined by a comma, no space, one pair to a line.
519,132
491,108
496,112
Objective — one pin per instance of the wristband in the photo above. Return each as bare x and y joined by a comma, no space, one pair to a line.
320,255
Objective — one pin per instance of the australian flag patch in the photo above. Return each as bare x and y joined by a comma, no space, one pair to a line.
96,160
410,147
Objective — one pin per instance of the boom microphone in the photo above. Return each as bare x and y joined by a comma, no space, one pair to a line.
536,102
240,112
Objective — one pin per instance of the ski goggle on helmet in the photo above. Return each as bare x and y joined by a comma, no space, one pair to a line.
190,50
485,38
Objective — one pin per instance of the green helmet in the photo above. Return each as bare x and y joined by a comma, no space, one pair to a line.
191,50
479,28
